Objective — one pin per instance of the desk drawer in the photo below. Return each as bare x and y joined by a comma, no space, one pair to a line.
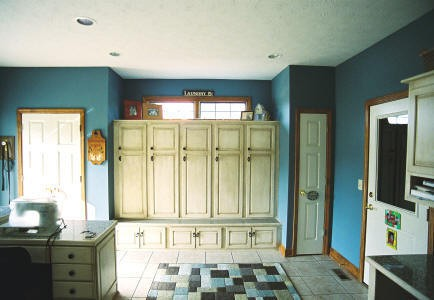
71,255
72,272
73,290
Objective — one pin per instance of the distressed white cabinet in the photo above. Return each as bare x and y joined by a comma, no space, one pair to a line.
420,139
137,235
195,168
260,170
239,237
130,170
195,237
163,170
228,170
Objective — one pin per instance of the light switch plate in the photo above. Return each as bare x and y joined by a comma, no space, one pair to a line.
10,142
360,184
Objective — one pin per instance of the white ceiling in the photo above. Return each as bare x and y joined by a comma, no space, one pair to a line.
207,39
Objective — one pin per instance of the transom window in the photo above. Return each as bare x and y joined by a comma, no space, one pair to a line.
180,107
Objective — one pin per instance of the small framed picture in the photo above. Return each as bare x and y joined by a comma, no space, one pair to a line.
391,238
152,112
247,115
132,110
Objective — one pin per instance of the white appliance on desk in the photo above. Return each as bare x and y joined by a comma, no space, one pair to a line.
38,216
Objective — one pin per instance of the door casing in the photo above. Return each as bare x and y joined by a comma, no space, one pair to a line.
326,226
20,113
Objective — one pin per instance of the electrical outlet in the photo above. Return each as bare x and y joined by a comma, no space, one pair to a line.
360,184
9,142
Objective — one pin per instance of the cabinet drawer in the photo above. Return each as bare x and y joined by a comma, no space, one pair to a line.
71,255
72,272
73,290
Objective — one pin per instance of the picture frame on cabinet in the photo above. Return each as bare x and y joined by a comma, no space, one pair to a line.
247,115
132,110
152,112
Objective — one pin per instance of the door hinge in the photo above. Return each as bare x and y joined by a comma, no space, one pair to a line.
81,128
81,179
427,214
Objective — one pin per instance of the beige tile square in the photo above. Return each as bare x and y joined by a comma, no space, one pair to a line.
191,257
301,286
300,258
218,257
141,256
127,286
323,285
150,270
130,269
270,255
353,286
310,268
245,256
164,256
143,287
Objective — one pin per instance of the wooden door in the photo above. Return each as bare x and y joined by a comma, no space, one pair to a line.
263,237
238,237
260,170
51,160
163,160
228,170
195,170
311,183
127,236
130,170
208,237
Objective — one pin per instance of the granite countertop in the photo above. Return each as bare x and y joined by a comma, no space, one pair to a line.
4,211
415,272
76,232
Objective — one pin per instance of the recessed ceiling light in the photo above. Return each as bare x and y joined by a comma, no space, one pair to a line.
274,55
115,54
85,21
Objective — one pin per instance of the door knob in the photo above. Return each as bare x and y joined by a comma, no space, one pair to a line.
371,194
370,207
302,193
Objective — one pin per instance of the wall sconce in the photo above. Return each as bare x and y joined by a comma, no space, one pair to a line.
96,148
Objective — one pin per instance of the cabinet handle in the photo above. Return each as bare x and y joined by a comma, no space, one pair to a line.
250,234
184,148
120,158
197,234
142,233
184,158
248,158
71,255
217,149
137,234
194,234
217,158
250,149
253,233
152,147
72,291
120,148
71,273
152,158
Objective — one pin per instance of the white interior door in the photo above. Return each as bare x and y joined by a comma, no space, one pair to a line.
411,238
51,160
312,183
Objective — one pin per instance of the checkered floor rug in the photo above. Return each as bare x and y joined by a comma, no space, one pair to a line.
221,281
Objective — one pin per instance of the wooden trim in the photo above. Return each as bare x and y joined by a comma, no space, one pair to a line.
343,262
79,111
431,231
327,201
368,104
286,252
197,100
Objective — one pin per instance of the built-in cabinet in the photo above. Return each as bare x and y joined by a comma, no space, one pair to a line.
136,235
195,237
250,237
195,169
420,139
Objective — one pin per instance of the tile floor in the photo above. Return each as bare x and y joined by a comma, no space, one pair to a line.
311,275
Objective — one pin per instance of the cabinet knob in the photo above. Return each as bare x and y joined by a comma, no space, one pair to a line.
71,255
152,147
184,148
120,158
137,234
72,291
184,158
142,233
248,158
250,149
250,234
71,273
217,148
120,148
152,158
217,158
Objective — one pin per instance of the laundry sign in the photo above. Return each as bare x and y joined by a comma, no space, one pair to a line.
200,93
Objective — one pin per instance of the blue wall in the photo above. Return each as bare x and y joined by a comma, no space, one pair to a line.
375,72
85,88
280,109
258,90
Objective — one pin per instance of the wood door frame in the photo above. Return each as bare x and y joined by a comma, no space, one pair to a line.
20,113
327,204
371,102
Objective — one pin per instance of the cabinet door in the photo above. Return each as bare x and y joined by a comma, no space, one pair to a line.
263,237
182,237
163,194
228,170
196,170
208,237
127,236
238,237
260,170
130,170
421,131
130,186
153,237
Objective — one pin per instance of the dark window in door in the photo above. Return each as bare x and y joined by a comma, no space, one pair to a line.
392,152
